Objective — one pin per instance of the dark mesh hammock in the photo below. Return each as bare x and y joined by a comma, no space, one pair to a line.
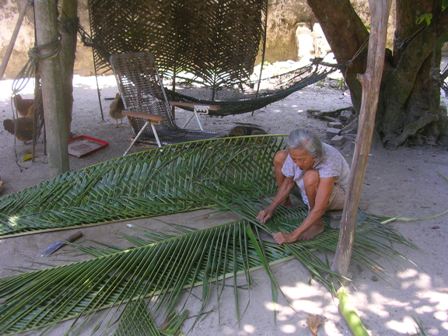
242,102
217,41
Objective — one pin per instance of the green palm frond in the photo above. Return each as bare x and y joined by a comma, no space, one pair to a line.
234,198
136,320
420,329
162,270
155,182
373,239
159,271
231,174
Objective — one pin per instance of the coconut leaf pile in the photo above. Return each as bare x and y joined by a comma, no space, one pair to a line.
229,174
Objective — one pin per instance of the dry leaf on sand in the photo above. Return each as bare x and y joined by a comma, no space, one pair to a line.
314,322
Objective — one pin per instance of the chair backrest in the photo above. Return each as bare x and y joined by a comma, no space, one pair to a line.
141,87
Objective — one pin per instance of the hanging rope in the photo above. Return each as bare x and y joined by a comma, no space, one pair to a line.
263,53
35,55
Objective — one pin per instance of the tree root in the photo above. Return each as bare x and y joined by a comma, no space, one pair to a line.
409,130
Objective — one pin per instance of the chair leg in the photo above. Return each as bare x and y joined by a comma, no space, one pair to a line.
188,121
156,135
198,120
202,109
137,136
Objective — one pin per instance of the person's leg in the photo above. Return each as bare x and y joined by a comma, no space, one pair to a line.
279,159
337,199
311,181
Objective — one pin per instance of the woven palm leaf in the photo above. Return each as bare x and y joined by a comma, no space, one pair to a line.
136,320
378,242
216,40
154,182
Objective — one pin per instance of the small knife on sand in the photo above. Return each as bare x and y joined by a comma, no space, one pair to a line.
56,245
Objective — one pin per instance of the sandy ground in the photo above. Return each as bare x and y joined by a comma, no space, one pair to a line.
404,182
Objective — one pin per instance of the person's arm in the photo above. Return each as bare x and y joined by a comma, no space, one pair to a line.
322,198
281,195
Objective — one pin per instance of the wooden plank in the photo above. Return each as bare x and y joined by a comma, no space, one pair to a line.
145,116
193,105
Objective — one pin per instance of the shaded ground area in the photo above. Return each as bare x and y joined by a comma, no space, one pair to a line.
406,182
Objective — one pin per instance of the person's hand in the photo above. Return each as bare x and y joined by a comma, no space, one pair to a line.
264,215
283,238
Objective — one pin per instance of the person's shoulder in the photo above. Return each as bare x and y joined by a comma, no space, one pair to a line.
329,151
332,156
288,163
328,147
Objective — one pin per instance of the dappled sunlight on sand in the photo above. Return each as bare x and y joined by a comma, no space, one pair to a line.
386,308
305,300
249,328
396,307
412,278
288,328
405,326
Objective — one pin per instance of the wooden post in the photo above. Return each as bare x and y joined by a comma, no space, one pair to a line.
68,29
48,44
370,81
13,39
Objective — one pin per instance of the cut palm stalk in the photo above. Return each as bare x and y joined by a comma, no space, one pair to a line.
349,313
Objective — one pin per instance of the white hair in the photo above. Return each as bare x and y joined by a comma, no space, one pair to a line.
303,139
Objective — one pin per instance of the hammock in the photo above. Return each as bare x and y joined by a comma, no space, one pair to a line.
241,102
217,43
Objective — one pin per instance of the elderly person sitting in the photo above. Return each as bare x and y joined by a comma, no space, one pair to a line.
321,173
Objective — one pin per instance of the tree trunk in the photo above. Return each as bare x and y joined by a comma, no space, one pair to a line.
52,94
410,104
409,107
370,81
68,18
347,36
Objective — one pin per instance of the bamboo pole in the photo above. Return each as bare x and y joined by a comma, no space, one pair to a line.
370,82
48,44
13,39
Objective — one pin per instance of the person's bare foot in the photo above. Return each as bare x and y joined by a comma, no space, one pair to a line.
313,231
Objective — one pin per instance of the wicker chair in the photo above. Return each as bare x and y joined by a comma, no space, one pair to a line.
146,103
